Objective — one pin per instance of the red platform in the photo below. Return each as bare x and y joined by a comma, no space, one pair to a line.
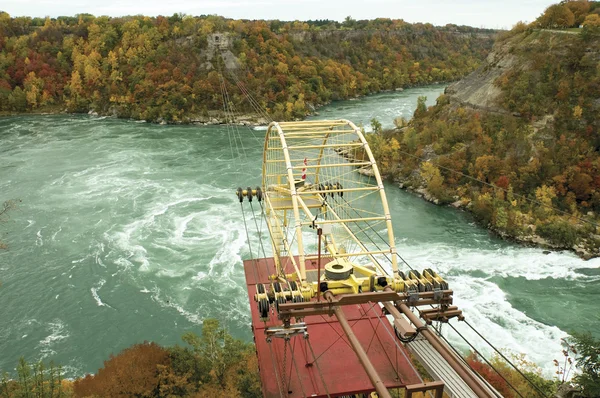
339,366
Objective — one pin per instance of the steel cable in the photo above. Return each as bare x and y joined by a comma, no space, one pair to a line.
506,359
486,361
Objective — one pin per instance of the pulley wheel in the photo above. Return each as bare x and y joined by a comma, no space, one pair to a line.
263,308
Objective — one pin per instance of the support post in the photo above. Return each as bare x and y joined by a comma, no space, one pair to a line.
319,234
437,386
382,391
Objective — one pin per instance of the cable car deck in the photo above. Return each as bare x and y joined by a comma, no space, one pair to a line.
325,363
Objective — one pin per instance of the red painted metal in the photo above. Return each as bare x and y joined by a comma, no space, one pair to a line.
341,370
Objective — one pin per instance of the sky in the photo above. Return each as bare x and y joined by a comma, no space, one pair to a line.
496,14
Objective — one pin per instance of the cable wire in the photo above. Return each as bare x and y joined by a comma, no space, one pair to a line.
506,359
459,355
486,361
318,368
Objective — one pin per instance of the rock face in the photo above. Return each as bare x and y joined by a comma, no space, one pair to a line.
478,89
221,43
508,85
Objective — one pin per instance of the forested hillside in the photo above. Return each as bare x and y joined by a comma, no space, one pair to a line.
171,68
526,126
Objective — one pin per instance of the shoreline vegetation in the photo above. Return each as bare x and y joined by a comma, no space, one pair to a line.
420,189
516,142
178,69
254,119
214,364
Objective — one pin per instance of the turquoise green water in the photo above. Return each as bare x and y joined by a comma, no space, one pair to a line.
130,231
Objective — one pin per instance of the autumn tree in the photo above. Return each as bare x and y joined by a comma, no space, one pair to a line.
557,16
580,9
134,372
433,179
160,69
526,382
591,24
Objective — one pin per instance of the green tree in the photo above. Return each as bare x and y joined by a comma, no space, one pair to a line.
36,380
587,356
18,100
421,106
376,125
218,361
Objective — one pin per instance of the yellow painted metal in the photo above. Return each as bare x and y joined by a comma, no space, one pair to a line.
384,201
318,166
351,145
327,194
276,251
291,181
345,220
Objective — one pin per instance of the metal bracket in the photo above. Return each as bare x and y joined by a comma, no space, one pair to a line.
285,332
413,298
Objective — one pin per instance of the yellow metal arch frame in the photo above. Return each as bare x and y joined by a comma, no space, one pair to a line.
295,148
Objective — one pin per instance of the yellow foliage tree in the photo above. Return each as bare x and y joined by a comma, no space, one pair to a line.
433,178
544,195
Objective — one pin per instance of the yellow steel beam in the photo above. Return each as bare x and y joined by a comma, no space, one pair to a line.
384,201
326,165
346,145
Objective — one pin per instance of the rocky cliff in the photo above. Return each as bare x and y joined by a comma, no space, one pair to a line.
516,142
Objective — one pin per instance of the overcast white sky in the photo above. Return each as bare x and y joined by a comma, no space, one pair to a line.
478,13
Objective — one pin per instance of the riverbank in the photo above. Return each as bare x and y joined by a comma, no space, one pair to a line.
214,117
462,204
530,240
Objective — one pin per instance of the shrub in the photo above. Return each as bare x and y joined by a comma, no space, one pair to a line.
558,232
506,379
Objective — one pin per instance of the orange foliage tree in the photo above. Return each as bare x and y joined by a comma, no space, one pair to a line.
132,373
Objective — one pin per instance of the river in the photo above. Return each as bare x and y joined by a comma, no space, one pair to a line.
130,231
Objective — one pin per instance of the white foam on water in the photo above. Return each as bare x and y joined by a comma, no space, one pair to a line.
200,275
123,262
228,254
56,233
39,241
486,308
182,223
485,305
170,303
530,263
131,239
96,297
57,334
